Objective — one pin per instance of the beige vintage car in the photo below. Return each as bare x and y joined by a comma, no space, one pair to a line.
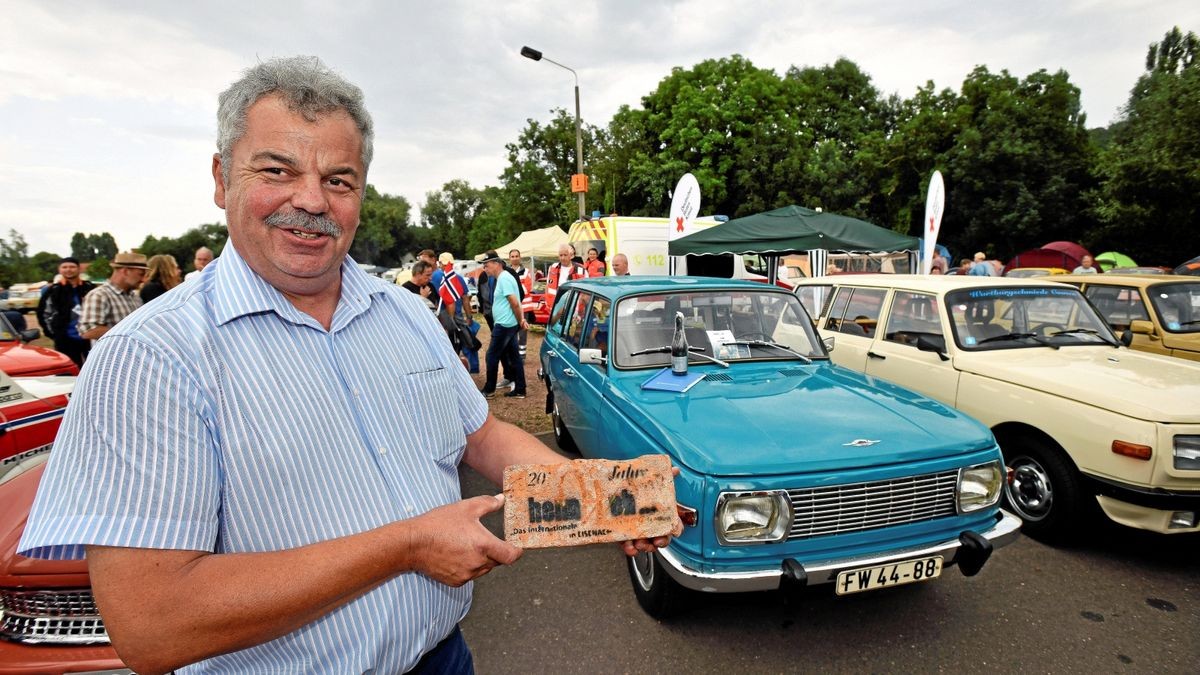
1161,312
1082,420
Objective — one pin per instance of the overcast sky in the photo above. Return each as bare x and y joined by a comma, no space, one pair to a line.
107,109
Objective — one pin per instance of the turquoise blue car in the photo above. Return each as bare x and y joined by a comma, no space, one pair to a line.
793,471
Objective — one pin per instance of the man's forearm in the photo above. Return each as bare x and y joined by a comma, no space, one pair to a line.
94,333
499,444
165,609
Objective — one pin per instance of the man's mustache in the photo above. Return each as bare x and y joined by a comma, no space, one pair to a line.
304,221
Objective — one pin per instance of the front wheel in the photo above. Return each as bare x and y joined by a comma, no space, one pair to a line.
1046,491
658,594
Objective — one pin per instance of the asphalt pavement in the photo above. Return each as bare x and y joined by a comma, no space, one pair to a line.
1124,602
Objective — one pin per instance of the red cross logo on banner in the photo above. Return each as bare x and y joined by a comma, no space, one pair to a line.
678,224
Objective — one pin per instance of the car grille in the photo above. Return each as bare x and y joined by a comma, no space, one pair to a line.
51,617
867,506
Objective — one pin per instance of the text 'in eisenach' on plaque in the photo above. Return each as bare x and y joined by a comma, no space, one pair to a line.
588,501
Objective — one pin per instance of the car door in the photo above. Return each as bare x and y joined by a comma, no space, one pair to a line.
854,315
894,355
591,379
564,368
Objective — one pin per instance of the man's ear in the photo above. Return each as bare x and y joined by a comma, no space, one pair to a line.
219,191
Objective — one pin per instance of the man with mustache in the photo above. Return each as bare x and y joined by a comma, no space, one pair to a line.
243,465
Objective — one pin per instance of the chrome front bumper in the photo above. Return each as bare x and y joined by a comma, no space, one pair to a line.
1003,532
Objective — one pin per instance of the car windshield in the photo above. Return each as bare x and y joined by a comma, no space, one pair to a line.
1177,306
1013,317
735,325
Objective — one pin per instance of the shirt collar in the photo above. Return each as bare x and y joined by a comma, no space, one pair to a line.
237,290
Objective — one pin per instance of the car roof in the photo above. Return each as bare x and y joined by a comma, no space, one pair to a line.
631,285
1132,280
933,283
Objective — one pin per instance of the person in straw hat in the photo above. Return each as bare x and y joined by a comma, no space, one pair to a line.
116,299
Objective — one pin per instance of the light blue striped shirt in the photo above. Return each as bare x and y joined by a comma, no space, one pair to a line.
220,418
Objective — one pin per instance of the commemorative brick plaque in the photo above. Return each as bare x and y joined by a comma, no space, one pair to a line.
588,501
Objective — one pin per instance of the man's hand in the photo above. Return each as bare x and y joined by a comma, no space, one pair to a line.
455,547
635,546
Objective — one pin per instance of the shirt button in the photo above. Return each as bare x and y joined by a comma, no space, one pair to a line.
409,508
383,451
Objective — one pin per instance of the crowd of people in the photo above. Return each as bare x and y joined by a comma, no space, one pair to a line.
74,312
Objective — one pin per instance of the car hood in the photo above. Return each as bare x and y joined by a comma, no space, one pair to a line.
1145,386
16,498
795,419
22,360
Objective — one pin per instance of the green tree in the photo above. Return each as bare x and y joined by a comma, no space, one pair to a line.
384,232
15,265
183,248
1148,205
451,213
85,247
1021,171
727,122
100,268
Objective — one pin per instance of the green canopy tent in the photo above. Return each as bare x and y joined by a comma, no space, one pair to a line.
789,230
1111,259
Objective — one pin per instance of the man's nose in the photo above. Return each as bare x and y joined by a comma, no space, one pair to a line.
310,195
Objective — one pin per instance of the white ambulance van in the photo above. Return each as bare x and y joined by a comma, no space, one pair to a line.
643,240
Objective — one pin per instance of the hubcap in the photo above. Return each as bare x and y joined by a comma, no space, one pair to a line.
643,569
557,421
1031,492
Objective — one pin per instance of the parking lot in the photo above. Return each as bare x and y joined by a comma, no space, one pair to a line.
1127,601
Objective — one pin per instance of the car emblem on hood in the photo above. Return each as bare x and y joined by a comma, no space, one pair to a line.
860,443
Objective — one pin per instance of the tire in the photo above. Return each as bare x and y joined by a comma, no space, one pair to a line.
1046,491
561,435
658,594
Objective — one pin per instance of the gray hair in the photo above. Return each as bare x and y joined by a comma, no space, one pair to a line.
310,89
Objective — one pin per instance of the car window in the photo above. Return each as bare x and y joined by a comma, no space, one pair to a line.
1119,306
714,321
1014,317
859,312
575,316
1177,306
913,315
814,298
558,318
595,332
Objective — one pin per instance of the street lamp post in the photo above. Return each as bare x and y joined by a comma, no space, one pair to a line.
579,180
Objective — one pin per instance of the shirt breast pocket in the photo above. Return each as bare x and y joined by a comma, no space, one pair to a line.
429,400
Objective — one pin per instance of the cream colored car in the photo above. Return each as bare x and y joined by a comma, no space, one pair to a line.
1082,420
1160,311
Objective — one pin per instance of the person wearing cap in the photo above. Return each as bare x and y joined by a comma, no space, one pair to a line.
508,319
59,308
104,307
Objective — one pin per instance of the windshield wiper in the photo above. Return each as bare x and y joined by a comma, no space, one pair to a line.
1085,331
1020,336
766,343
694,351
1189,323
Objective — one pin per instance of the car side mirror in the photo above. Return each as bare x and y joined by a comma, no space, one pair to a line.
933,343
1126,337
1141,327
30,335
593,357
829,343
